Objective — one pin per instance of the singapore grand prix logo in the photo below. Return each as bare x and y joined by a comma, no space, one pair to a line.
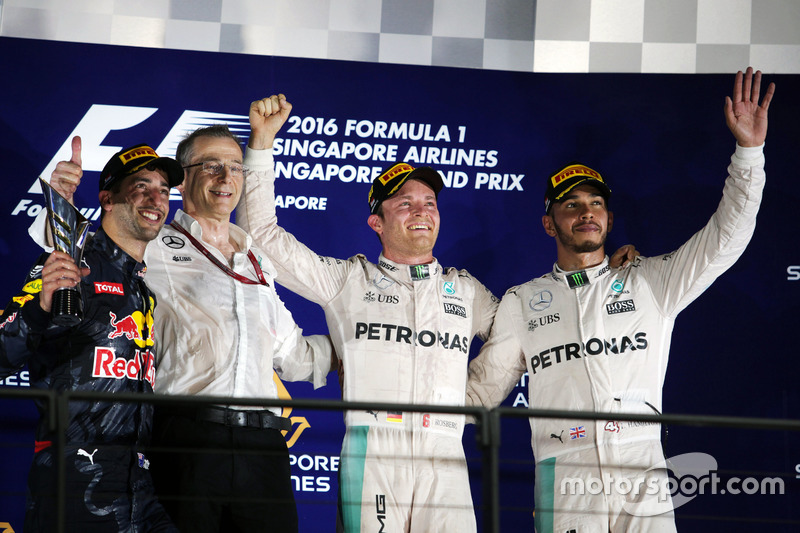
299,423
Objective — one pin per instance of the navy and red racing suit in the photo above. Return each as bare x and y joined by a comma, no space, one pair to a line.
108,485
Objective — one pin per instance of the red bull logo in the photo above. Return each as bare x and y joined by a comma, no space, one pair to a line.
132,327
108,365
126,326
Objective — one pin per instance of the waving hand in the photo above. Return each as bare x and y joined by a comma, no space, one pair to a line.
746,119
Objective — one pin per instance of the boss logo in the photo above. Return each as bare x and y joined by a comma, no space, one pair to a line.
624,306
454,309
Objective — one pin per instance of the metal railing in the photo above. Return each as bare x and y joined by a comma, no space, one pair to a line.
487,422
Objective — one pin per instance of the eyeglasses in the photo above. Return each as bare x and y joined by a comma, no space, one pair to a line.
217,169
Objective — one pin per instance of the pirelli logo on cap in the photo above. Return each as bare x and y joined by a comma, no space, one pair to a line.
575,170
394,171
142,151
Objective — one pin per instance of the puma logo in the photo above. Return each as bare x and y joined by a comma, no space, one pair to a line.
554,436
83,452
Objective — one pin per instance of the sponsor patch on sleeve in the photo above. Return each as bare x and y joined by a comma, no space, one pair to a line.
33,287
22,300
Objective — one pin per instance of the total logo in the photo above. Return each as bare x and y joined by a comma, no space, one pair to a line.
98,122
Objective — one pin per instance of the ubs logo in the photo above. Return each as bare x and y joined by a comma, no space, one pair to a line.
543,321
388,298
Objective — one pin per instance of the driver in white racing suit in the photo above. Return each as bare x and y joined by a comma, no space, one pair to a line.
596,338
402,329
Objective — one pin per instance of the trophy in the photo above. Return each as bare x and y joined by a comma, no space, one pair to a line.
69,229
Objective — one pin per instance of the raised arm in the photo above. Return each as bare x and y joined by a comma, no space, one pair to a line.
299,268
680,277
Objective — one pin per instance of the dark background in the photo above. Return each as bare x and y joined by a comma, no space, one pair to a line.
659,140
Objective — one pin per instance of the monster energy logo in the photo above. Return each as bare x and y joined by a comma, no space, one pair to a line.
577,279
419,272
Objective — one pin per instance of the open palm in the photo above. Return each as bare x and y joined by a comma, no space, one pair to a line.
747,119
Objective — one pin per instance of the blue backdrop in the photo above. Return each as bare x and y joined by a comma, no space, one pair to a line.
660,140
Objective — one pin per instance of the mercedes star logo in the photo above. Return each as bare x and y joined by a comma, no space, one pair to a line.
173,241
541,300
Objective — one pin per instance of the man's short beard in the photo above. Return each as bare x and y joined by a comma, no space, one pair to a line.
569,242
587,247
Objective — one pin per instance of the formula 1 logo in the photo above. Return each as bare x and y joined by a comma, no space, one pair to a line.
99,121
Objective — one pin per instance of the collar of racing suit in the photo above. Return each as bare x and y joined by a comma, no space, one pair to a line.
116,256
409,273
577,278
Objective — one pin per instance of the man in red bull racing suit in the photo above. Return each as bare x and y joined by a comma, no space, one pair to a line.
596,338
108,485
402,328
